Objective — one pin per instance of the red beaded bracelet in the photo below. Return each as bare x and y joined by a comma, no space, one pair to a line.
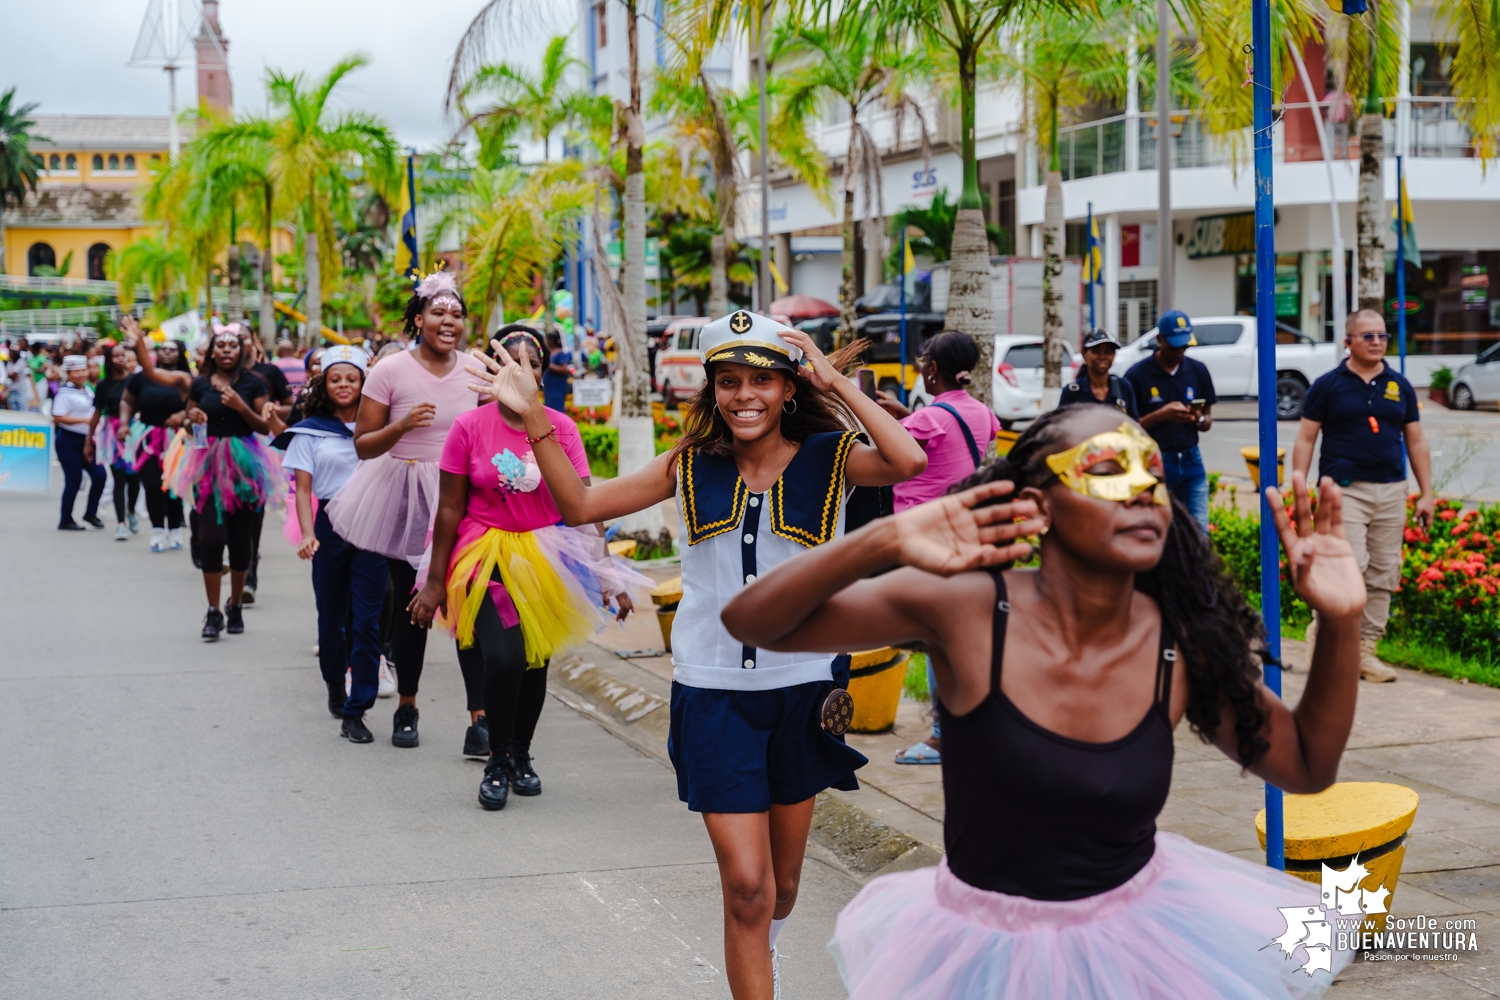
534,441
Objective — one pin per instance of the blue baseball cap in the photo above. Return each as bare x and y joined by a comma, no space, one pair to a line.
1176,329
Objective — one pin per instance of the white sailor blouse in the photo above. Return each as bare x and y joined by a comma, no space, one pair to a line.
729,537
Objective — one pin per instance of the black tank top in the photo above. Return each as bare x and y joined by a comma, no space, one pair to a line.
1035,814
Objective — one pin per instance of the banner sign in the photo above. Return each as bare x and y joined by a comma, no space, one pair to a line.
589,392
1221,235
185,328
25,452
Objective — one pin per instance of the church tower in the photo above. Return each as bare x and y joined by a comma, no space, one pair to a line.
214,86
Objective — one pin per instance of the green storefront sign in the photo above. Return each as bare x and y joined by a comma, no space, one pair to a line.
1222,236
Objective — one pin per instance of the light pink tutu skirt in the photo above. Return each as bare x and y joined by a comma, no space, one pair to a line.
291,528
387,507
1194,924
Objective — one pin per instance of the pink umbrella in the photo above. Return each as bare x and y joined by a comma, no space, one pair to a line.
799,307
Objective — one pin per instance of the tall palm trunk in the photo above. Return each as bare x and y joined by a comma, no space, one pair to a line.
313,275
267,299
236,284
846,262
1054,342
971,306
637,432
718,276
1370,222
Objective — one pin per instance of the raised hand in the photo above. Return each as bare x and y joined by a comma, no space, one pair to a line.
505,380
822,373
1319,560
952,535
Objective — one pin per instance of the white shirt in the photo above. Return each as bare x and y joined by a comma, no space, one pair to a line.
329,459
704,654
72,401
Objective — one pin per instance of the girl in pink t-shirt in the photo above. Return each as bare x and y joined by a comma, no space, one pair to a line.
516,585
410,401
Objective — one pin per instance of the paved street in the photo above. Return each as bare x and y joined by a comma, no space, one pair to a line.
183,820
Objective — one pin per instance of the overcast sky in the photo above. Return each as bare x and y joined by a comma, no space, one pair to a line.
69,55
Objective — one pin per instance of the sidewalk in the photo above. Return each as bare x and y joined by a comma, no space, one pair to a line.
1436,736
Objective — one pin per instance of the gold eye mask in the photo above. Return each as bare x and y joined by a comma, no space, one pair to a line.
1136,451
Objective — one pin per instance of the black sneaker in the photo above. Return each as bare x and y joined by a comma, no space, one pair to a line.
404,726
71,526
94,521
336,699
523,777
495,788
477,739
355,731
235,618
213,624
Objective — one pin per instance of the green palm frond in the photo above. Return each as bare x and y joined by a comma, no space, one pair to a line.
1473,28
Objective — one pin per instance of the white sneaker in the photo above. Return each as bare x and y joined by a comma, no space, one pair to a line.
775,977
134,522
122,533
387,680
174,539
158,540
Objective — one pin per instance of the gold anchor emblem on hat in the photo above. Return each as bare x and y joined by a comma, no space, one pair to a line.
740,322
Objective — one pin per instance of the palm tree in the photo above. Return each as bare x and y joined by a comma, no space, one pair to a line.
935,224
847,64
313,160
152,261
19,166
541,102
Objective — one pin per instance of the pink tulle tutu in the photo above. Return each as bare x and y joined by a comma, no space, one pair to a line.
108,451
387,507
231,473
291,528
1195,923
145,442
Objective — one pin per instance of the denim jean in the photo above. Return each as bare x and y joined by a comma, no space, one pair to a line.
350,588
1188,482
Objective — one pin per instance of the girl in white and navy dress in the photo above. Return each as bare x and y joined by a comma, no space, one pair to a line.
763,472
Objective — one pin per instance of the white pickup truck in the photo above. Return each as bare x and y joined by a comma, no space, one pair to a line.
1226,344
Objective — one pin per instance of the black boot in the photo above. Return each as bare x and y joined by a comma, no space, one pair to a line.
495,788
336,699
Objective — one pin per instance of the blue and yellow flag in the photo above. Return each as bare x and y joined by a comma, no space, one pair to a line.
406,244
1093,260
1405,227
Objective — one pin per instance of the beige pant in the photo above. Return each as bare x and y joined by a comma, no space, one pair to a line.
1374,518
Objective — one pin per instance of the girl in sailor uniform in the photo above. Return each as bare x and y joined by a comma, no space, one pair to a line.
766,463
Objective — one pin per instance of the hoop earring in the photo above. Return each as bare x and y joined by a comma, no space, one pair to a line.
716,412
793,401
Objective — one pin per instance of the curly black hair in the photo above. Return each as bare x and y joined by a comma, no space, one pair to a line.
315,401
414,309
1216,629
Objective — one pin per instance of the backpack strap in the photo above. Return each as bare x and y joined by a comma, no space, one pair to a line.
968,434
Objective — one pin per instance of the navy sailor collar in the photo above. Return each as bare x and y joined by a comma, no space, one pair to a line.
804,502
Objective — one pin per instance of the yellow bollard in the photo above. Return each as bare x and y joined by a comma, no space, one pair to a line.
1370,819
665,596
875,679
1251,455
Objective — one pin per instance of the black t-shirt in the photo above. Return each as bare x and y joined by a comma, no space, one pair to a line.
107,396
1344,403
275,379
1154,388
223,421
1120,395
154,402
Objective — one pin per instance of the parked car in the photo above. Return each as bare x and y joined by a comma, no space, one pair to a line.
1478,382
679,362
1017,386
656,329
1226,345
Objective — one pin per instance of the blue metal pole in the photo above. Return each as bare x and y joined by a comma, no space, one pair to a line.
1265,323
901,277
1400,267
1093,278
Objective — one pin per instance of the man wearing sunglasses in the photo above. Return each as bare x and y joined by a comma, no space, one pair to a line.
1367,414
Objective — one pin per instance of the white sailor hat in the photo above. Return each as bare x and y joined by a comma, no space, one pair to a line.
346,354
748,339
75,363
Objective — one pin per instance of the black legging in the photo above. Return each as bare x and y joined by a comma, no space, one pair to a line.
127,487
513,695
235,529
163,508
408,641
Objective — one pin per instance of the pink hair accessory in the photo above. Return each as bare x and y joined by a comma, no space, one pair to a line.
438,284
964,377
233,330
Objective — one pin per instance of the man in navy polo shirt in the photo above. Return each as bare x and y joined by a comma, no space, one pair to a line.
1365,411
1175,397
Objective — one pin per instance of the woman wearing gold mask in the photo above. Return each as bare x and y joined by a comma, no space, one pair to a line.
1057,734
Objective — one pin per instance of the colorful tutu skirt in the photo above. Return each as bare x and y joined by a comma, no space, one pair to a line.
1194,923
229,474
145,442
387,507
556,581
108,451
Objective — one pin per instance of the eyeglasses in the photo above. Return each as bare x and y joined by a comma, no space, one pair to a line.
1370,338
